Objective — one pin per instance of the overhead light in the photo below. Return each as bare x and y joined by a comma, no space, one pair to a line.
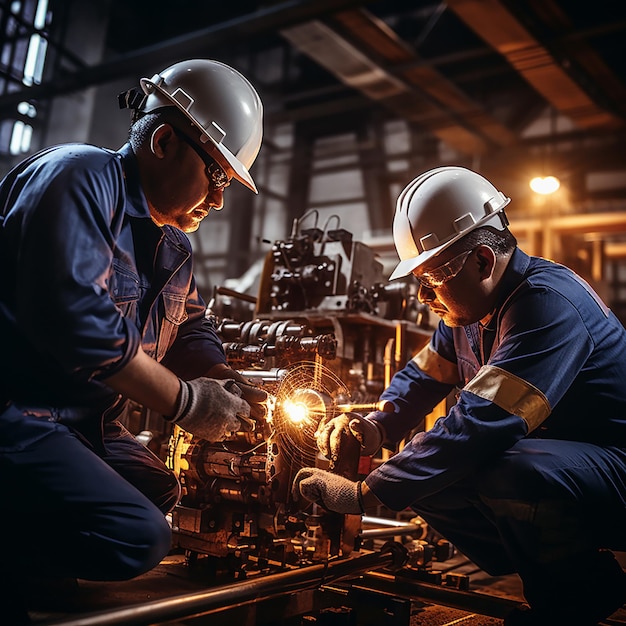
545,185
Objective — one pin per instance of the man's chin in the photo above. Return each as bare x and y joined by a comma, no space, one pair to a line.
190,227
450,321
193,220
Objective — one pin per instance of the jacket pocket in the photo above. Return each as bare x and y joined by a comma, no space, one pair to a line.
124,289
175,313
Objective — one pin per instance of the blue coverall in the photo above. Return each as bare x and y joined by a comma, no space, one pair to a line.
87,277
527,471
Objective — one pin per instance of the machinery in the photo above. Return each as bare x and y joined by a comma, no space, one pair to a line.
325,337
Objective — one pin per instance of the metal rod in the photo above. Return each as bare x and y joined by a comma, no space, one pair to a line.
382,521
391,531
389,528
225,291
237,594
273,375
383,405
470,601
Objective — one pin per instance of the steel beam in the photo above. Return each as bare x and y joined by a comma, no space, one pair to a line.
195,43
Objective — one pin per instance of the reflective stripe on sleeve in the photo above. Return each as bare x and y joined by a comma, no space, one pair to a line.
436,366
511,394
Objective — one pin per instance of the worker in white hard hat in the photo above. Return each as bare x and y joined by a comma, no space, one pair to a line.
98,307
526,473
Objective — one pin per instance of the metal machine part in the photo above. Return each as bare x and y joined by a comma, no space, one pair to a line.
237,493
325,270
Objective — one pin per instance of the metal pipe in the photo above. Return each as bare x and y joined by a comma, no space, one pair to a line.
389,528
238,594
391,531
273,375
382,521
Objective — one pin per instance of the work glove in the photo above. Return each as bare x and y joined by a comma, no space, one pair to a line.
333,492
254,396
366,431
209,410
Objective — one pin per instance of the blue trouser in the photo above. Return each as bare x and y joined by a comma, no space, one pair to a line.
69,511
544,509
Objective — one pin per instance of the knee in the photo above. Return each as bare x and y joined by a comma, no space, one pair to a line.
133,545
159,487
162,489
138,557
512,476
168,494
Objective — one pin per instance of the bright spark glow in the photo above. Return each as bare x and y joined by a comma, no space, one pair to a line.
296,412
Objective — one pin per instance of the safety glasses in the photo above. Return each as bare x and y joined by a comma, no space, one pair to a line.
432,279
216,175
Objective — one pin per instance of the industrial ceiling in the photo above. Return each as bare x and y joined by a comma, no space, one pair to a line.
474,76
471,72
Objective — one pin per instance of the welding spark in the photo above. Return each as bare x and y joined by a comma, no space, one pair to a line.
297,413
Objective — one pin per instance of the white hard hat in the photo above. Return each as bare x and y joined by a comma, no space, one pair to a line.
437,208
217,99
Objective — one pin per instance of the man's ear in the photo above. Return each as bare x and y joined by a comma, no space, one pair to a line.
159,139
486,261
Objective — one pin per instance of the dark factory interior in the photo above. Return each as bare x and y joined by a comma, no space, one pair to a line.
359,99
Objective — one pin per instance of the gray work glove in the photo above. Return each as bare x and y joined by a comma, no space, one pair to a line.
333,492
207,409
366,431
254,396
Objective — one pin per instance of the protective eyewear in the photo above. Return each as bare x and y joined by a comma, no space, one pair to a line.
432,279
214,172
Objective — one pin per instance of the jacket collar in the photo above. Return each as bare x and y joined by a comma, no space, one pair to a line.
514,274
136,204
512,278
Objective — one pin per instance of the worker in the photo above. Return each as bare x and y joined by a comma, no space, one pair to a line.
526,473
99,307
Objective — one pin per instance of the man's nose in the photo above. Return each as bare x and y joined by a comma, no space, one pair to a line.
215,199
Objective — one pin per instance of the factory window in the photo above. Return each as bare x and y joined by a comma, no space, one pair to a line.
22,60
20,137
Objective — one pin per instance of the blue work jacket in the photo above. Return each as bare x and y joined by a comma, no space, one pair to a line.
86,278
551,363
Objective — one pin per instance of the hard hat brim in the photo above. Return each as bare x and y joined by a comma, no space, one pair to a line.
240,172
496,220
404,268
